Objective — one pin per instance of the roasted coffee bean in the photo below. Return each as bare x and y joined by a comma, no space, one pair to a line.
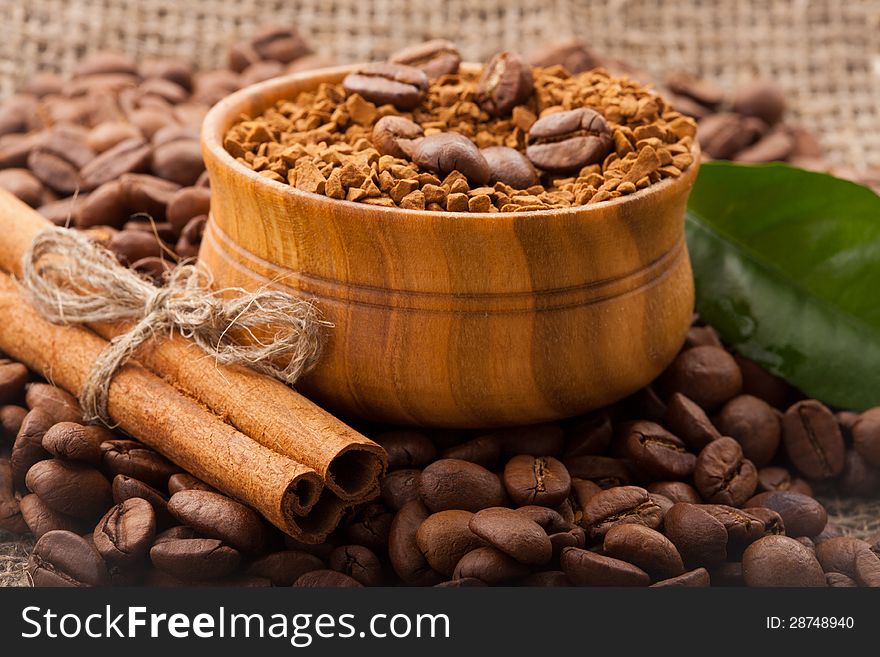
370,526
71,488
868,569
454,484
195,559
273,42
840,581
506,82
129,156
164,230
187,203
445,152
656,452
572,54
191,237
513,533
723,475
586,568
13,377
567,141
490,565
866,436
130,246
708,376
776,145
802,515
179,161
754,424
545,579
11,519
126,488
777,478
125,534
400,487
509,166
407,449
700,537
859,478
28,448
42,519
623,504
24,185
725,134
605,471
173,533
831,531
404,553
217,516
61,558
728,574
773,522
588,435
694,578
385,83
546,439
702,91
11,418
760,383
396,136
549,520
105,136
75,442
104,62
701,336
183,481
813,440
326,579
284,568
838,555
541,480
445,537
58,404
436,58
689,422
132,459
677,491
56,167
742,527
662,501
464,582
762,99
646,548
582,491
781,561
178,72
482,450
357,562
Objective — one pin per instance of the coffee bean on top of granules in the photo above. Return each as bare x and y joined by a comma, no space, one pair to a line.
506,138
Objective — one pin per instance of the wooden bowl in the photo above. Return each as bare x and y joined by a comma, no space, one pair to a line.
455,319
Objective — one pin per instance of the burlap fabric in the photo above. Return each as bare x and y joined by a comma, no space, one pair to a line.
825,53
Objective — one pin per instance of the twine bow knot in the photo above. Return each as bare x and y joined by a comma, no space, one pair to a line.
70,279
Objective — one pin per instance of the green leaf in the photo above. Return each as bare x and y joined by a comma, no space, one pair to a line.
787,268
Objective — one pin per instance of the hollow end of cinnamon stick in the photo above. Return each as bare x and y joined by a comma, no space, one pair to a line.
355,470
324,517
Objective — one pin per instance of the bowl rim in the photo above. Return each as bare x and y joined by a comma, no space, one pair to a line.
222,113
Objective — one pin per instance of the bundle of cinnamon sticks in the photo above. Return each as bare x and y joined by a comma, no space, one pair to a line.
244,433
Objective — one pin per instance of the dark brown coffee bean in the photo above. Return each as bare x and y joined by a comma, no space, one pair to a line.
866,436
179,161
549,520
677,491
13,377
396,136
24,185
61,558
406,558
728,574
546,579
195,559
623,504
217,516
646,548
11,419
690,422
760,383
546,439
132,459
775,146
781,561
859,478
41,519
572,54
370,526
15,149
702,91
701,336
542,480
11,519
777,478
838,555
125,534
509,166
284,568
482,450
656,452
762,99
586,568
437,57
326,579
723,475
28,448
868,569
698,578
164,230
567,141
388,84
701,539
582,491
400,487
754,424
357,562
178,72
407,449
725,134
802,515
103,62
126,488
773,522
71,488
58,404
513,533
840,581
506,82
187,203
490,565
813,440
454,484
191,237
275,43
445,537
173,533
605,471
75,442
742,527
831,531
445,152
129,156
130,246
183,481
54,169
588,435
708,376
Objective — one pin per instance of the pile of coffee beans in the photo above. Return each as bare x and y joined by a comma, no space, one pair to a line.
706,476
417,133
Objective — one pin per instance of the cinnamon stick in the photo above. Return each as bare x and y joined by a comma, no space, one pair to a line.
289,494
268,411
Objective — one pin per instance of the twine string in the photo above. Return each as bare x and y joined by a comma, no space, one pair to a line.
70,279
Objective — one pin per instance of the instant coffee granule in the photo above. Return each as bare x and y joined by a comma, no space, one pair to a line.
564,140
